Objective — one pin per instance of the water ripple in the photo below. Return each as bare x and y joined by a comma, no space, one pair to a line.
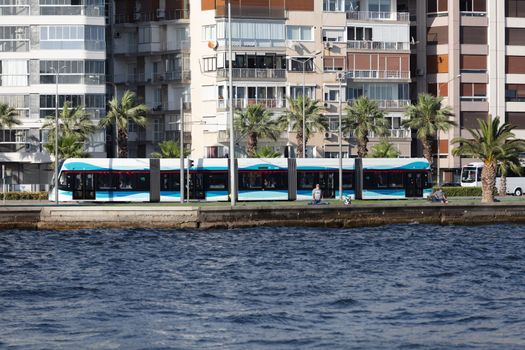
393,287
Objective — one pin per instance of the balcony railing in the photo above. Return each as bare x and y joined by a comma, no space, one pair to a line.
172,76
378,45
392,133
157,77
14,10
389,104
159,15
378,74
252,11
378,16
72,10
253,73
242,103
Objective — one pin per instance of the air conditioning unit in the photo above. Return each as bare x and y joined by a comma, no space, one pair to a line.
161,13
326,104
327,135
328,45
116,35
137,16
420,72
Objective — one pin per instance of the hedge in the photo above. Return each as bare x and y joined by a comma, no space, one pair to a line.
463,191
23,195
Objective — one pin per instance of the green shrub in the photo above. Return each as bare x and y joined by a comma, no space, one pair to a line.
24,196
461,191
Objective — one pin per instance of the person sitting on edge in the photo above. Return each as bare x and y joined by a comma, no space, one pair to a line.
439,196
317,195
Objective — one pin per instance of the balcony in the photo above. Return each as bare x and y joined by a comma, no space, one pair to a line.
253,73
378,16
72,10
242,103
378,45
266,12
389,104
172,76
159,15
392,134
378,75
15,10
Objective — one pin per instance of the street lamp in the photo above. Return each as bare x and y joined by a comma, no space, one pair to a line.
57,73
341,77
437,138
232,135
303,62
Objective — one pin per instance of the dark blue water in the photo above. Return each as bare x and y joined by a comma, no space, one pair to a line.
405,287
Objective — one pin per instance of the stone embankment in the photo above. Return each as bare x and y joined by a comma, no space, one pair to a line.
76,217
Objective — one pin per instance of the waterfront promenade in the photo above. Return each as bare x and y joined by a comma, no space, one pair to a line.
43,215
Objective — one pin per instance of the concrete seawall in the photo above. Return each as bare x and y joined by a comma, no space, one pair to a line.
76,217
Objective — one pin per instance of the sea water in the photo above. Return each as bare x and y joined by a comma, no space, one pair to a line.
404,287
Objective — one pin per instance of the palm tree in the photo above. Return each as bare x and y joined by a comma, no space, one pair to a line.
362,117
293,119
266,152
487,143
255,122
72,121
121,112
69,146
428,117
169,149
384,149
8,116
509,160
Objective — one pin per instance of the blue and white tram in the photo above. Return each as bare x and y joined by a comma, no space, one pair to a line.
154,180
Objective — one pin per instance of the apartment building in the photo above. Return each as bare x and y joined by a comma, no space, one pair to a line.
150,55
472,53
331,49
39,38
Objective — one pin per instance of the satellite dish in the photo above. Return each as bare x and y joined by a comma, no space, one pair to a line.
212,44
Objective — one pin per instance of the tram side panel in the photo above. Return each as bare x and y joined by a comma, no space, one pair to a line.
262,179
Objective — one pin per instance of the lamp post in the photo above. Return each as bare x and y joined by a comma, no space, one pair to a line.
340,136
181,136
116,121
57,73
303,62
233,186
437,138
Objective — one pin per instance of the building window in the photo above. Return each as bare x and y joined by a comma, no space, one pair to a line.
436,6
359,33
516,119
296,64
341,5
470,120
331,94
515,64
472,6
379,6
437,35
473,64
13,72
515,92
515,36
473,92
14,39
209,32
299,33
333,63
91,38
296,91
473,35
515,8
437,64
334,34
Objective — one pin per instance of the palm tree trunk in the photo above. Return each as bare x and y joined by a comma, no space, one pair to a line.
503,185
488,182
299,139
427,149
251,144
122,143
362,151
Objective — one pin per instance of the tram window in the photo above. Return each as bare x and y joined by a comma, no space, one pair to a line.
250,181
375,179
64,181
218,181
136,182
106,181
305,180
395,180
170,182
275,181
348,181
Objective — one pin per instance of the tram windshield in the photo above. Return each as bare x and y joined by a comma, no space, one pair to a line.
468,174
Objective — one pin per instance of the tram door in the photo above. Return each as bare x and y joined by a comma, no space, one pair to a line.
196,190
83,186
414,185
327,184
